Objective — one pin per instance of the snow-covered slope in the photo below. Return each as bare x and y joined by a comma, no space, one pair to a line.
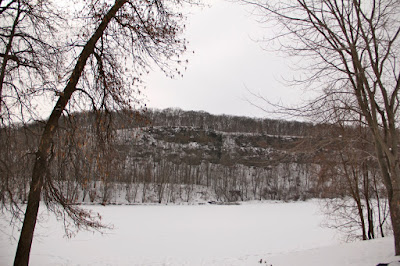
361,253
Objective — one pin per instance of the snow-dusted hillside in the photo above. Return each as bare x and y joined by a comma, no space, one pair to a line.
177,157
176,154
254,233
231,165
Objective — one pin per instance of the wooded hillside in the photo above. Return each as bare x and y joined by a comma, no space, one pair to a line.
177,156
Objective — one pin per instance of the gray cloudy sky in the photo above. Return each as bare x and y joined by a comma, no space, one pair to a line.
227,61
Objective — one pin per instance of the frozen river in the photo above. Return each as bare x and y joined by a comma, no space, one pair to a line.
180,235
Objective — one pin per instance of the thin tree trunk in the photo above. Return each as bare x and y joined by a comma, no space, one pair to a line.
44,150
394,205
370,215
361,215
378,201
7,54
355,192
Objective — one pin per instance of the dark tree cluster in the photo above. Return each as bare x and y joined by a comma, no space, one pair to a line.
175,117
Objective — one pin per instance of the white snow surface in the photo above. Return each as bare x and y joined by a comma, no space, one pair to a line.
253,233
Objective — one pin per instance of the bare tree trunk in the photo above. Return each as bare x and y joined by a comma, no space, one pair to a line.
394,207
394,204
370,214
393,193
25,240
7,54
361,215
381,212
44,150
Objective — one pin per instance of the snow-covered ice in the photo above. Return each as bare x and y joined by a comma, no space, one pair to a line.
270,233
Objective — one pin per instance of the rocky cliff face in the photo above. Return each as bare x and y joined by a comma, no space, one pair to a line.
195,146
232,165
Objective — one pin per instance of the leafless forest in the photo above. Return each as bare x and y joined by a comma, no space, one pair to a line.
175,156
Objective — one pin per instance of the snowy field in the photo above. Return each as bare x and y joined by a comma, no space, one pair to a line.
268,233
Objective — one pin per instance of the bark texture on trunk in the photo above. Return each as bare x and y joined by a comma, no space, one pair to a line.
394,204
394,207
26,236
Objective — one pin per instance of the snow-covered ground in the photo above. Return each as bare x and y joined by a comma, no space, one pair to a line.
267,233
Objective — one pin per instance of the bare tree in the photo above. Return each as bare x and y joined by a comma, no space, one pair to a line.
139,32
29,58
29,55
351,48
352,169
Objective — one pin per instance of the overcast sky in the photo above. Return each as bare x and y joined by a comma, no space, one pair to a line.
226,64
